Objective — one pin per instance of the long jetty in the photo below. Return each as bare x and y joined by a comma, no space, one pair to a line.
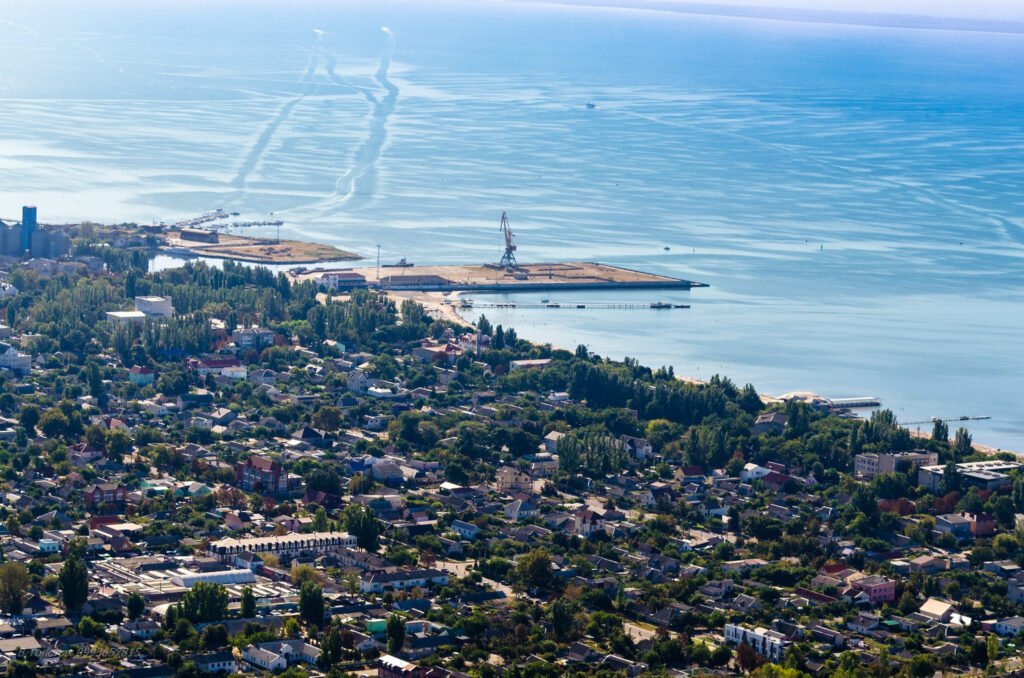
541,277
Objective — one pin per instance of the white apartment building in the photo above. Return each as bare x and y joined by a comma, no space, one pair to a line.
769,644
158,307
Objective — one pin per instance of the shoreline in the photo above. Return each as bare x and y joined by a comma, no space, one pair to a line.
449,310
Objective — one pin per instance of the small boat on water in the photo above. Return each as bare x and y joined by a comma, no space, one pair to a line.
590,105
402,263
661,304
666,248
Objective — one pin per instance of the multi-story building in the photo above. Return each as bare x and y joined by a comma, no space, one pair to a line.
28,226
869,465
956,524
769,644
157,307
393,667
252,337
285,544
261,474
14,360
985,475
103,493
878,589
510,481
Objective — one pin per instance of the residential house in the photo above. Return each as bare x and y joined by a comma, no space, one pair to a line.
465,530
657,494
378,582
215,662
520,509
638,449
511,481
551,441
956,524
141,376
769,422
1009,626
587,522
938,610
752,472
104,494
141,629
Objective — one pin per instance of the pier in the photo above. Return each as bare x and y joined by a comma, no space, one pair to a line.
541,277
849,403
562,306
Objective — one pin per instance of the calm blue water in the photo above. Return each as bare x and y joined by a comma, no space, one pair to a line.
853,195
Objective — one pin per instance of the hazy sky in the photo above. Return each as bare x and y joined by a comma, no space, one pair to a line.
1007,10
988,9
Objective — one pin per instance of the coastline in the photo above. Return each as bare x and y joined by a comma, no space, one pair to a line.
447,308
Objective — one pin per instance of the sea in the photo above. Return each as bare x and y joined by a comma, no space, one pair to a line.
853,194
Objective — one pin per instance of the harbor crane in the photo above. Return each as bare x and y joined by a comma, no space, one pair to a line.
508,260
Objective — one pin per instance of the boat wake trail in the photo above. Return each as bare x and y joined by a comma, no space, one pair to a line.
329,63
361,178
259,147
1010,229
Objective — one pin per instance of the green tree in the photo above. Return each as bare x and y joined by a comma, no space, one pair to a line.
248,603
327,418
562,619
962,443
14,581
940,431
311,603
53,423
204,602
320,520
360,521
119,442
908,603
74,583
136,605
992,648
21,669
29,417
95,381
331,649
395,632
533,569
214,636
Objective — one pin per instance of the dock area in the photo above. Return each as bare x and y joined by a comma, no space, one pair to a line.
254,250
489,278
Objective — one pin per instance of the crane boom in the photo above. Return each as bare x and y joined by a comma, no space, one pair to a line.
508,259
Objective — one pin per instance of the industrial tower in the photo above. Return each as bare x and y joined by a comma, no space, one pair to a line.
508,259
